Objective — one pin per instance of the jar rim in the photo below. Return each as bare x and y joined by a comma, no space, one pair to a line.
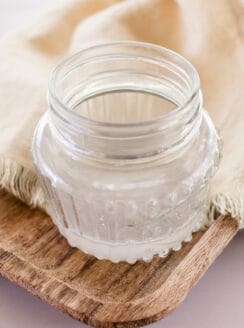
52,92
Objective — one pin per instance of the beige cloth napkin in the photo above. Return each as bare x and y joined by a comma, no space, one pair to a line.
209,33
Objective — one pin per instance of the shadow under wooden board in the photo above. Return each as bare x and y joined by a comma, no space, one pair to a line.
35,256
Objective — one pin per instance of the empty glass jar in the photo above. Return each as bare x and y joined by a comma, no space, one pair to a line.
126,152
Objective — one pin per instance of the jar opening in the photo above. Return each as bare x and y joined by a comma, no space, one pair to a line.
123,83
125,100
124,107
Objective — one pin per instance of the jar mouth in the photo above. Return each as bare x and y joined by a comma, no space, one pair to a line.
150,55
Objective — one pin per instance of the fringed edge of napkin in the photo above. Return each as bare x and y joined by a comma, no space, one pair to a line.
226,204
23,183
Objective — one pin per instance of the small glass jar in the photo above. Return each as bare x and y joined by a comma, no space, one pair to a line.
126,152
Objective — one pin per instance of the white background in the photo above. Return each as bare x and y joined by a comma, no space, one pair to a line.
216,302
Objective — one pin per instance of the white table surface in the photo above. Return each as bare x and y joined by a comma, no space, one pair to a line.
216,302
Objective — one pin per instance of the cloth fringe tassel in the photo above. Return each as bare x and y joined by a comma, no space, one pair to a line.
21,182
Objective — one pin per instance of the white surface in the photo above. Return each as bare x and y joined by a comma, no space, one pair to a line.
216,302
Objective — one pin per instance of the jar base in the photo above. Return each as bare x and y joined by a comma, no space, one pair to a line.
130,252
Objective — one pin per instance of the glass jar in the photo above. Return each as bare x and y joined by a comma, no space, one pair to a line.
126,152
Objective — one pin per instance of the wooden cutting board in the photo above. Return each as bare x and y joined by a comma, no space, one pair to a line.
35,256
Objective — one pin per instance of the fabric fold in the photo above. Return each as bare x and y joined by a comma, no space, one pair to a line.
209,34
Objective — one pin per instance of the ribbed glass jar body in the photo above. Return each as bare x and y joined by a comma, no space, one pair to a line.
125,152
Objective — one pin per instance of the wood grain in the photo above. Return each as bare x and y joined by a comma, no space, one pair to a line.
35,256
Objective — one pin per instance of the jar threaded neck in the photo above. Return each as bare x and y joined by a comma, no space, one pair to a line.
125,101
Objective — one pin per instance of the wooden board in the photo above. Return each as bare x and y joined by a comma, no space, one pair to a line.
35,256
